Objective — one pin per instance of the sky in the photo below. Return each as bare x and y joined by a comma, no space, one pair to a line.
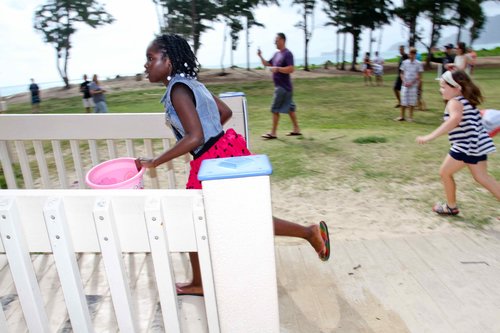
119,48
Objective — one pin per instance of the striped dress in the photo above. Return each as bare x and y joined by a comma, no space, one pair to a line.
469,137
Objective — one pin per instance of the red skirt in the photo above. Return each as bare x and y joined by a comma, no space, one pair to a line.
231,144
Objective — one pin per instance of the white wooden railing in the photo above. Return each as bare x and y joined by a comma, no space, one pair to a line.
56,150
229,224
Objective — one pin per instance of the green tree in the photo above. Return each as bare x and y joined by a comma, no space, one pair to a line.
336,17
409,13
466,11
188,18
238,15
352,16
436,12
56,21
307,12
478,21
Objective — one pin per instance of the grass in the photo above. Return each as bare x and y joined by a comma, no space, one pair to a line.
370,139
349,137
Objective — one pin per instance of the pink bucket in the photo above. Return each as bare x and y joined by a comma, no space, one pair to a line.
119,173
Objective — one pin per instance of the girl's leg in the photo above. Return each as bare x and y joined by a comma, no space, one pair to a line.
312,233
448,168
480,173
281,228
194,287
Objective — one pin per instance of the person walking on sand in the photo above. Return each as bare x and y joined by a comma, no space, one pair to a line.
35,96
196,117
87,97
367,69
462,60
411,70
448,58
470,143
398,83
473,58
97,92
378,69
281,65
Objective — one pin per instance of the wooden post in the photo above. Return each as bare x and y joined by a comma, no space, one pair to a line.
67,267
237,102
16,249
237,199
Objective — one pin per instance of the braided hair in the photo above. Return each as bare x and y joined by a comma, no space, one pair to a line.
177,49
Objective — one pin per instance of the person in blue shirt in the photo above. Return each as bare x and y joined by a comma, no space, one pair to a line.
196,117
35,96
97,92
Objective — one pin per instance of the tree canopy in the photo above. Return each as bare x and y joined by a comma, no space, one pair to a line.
188,18
307,12
352,16
56,21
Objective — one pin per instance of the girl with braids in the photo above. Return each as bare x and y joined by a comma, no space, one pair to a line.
196,117
469,140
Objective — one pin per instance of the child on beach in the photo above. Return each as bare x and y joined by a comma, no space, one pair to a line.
196,117
469,140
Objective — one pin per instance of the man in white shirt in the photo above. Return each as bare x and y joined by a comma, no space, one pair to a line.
411,70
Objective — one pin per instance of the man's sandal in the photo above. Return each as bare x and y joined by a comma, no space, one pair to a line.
444,209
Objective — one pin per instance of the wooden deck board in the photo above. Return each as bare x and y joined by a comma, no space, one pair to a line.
485,278
479,264
409,295
439,300
15,319
3,261
381,296
350,293
466,288
436,282
96,286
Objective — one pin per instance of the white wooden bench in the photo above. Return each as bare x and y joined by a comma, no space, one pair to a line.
56,150
229,224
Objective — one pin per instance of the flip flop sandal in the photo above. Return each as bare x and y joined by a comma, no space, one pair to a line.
268,136
294,134
444,209
325,254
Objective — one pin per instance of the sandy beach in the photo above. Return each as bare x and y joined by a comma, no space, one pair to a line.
218,76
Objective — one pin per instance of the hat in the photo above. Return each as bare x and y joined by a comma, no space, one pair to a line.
449,46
